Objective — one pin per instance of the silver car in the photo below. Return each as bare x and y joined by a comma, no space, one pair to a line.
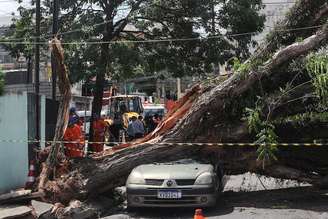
177,184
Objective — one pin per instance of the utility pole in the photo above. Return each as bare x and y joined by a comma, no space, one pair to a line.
179,95
53,64
37,70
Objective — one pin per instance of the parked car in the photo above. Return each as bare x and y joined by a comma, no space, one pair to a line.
178,184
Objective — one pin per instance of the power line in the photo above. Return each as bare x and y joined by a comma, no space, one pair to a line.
61,33
265,3
78,30
162,40
278,3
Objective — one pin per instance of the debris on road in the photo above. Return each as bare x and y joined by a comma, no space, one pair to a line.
19,196
14,211
41,208
75,210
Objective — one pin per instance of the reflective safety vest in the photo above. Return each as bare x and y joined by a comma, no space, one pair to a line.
76,148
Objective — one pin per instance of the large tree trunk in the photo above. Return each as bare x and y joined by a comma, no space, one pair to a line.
213,115
100,80
62,118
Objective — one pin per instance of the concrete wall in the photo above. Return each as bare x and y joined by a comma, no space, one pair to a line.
45,89
13,155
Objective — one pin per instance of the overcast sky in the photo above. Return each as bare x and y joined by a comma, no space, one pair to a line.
7,7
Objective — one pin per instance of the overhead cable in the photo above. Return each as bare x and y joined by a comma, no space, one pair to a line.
160,40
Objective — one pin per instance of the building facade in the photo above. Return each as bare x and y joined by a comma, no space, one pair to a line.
274,10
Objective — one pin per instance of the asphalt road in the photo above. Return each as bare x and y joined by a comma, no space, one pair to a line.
247,198
291,203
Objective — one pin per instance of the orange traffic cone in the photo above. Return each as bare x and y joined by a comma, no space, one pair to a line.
30,176
199,214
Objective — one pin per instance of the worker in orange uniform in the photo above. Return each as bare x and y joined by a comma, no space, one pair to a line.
73,134
99,128
169,105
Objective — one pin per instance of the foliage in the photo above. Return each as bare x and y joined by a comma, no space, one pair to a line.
317,67
186,19
142,20
266,153
2,82
97,35
253,120
21,29
263,129
240,16
236,64
307,117
265,135
244,68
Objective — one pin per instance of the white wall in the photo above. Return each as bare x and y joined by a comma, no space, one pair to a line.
275,10
13,156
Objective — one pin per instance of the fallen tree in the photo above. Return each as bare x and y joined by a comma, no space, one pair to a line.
63,114
265,85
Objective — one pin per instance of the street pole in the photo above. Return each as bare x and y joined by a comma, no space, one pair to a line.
37,70
178,88
53,64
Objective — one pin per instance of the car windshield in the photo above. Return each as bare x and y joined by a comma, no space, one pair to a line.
123,105
152,112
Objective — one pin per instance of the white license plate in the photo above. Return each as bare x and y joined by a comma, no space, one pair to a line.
169,194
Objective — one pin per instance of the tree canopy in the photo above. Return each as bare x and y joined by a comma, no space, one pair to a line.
179,36
82,22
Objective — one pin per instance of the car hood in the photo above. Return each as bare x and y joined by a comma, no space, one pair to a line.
176,171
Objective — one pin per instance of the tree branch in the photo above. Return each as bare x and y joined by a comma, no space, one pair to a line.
218,101
120,25
152,19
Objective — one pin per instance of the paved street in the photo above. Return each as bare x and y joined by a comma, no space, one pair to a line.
245,197
285,203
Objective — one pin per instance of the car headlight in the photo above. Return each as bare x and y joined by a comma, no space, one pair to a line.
204,179
135,178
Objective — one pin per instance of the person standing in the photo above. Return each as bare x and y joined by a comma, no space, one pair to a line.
130,130
99,129
155,120
138,128
169,103
74,141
